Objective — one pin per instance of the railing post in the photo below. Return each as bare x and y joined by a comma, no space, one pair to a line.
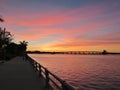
64,86
47,77
36,66
32,63
40,71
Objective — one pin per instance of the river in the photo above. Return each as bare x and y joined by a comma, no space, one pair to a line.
84,72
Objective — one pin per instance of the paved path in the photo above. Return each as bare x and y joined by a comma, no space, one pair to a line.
17,74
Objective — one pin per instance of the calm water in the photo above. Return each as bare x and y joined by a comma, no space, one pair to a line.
84,72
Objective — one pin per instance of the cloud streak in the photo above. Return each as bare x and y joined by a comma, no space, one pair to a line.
83,26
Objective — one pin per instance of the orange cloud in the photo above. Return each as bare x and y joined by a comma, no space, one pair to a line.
78,28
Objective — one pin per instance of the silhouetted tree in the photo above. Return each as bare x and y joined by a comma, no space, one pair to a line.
104,52
12,48
23,45
5,37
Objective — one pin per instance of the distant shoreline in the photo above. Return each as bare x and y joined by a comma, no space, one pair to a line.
75,53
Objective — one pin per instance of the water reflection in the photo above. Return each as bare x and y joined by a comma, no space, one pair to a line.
84,72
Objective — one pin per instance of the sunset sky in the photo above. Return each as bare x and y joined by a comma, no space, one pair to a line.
64,25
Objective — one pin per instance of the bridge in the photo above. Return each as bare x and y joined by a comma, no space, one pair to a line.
79,52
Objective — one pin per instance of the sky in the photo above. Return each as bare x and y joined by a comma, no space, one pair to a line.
64,25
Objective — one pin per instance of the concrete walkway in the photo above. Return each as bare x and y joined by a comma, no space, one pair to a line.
17,74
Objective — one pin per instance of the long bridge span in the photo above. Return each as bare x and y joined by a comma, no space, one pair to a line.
80,52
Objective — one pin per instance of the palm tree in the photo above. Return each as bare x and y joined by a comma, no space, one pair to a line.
23,45
22,49
1,41
5,37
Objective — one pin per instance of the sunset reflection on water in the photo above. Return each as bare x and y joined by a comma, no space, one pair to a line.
84,72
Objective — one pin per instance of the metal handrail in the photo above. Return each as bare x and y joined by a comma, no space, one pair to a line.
41,69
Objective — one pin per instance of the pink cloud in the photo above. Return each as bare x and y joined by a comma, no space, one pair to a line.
61,17
68,24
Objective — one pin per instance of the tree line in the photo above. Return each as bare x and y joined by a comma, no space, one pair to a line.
8,48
